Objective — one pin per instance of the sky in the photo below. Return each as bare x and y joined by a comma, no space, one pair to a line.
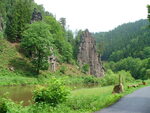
96,15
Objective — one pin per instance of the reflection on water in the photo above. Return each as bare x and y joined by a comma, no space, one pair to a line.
25,93
18,93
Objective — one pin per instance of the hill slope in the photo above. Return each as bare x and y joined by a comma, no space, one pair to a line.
126,40
15,68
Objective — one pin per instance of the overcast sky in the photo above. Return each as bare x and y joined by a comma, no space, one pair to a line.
96,15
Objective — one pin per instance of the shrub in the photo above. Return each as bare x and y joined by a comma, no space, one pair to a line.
112,78
85,68
53,94
63,69
126,76
90,80
8,106
3,107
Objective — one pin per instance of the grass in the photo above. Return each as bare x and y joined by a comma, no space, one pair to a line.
10,56
94,99
85,100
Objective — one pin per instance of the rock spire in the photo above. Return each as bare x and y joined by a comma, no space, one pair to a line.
87,55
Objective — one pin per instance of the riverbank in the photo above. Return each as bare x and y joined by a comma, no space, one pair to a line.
85,100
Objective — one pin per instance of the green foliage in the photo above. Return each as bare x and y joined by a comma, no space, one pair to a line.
3,107
63,22
147,74
53,94
90,80
63,69
77,43
148,7
1,35
136,66
112,78
8,106
18,15
85,68
146,52
88,100
70,37
37,42
64,48
126,77
127,40
83,100
7,53
8,77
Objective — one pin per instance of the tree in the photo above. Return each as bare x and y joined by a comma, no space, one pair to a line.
148,7
67,52
63,46
77,43
18,15
100,49
69,37
63,22
127,40
37,41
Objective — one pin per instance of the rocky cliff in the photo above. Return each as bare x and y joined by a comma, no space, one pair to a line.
88,55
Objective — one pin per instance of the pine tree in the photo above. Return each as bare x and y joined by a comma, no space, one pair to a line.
18,15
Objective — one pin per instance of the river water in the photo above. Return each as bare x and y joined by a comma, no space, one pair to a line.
18,93
25,93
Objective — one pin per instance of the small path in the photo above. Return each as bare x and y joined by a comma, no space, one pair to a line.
137,102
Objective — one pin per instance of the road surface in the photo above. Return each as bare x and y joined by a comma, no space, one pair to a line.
137,102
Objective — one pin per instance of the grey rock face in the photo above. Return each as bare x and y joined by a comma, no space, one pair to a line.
36,16
88,55
52,60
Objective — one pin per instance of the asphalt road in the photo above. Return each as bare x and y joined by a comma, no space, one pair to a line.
137,102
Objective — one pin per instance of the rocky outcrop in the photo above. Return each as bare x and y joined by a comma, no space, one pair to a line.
87,55
36,16
1,23
52,60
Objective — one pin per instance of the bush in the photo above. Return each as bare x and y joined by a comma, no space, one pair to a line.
53,94
63,69
85,68
112,78
126,76
90,80
3,107
8,106
135,66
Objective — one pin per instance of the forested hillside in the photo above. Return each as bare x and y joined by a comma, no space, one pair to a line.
129,46
131,39
47,68
15,25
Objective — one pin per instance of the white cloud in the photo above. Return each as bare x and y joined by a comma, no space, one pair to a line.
96,15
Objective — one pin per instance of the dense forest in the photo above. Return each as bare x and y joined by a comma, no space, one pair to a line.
15,22
127,47
32,40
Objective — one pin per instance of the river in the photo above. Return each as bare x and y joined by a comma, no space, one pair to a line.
20,93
